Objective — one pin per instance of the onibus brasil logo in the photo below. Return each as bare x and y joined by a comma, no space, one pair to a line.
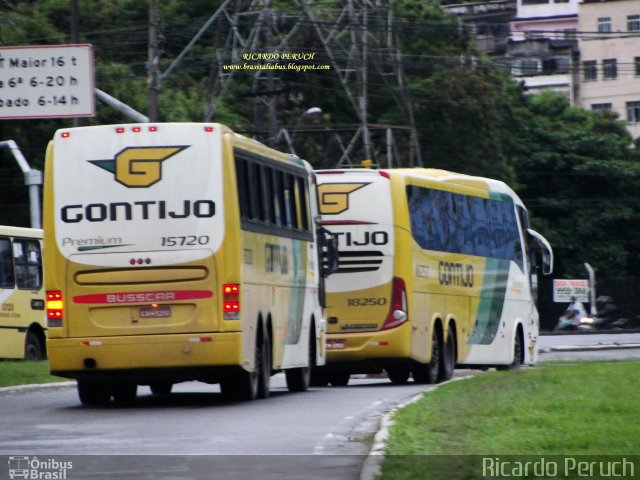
41,469
139,167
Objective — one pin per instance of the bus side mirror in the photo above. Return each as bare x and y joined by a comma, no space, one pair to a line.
545,248
328,243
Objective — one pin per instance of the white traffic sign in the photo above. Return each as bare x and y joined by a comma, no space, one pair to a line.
563,290
46,81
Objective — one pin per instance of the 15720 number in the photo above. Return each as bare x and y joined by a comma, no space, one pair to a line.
187,241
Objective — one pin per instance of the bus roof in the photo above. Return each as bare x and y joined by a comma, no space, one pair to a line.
481,184
238,139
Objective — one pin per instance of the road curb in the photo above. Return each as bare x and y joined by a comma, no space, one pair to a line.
371,467
35,386
588,348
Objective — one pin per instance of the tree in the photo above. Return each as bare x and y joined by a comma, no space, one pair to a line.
580,176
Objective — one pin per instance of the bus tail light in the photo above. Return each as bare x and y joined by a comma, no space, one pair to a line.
231,301
398,313
55,308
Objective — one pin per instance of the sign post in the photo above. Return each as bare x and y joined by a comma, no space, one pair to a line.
563,290
46,81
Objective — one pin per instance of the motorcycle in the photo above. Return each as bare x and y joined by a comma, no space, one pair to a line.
606,318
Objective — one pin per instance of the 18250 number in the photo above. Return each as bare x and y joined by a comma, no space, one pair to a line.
366,302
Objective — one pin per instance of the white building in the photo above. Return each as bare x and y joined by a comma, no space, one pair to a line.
610,58
543,49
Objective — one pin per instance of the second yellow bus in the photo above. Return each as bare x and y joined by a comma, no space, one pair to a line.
436,269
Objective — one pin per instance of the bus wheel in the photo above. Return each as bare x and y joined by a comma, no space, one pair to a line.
428,372
448,357
124,393
161,388
518,350
33,349
398,374
93,393
263,366
299,379
339,379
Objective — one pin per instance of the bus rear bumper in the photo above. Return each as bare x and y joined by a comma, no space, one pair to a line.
356,347
187,356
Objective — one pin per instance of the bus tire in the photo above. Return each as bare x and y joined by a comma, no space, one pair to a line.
339,379
93,393
33,348
518,353
263,365
299,379
448,357
124,393
161,388
428,372
398,374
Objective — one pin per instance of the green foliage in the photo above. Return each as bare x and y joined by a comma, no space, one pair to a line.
549,411
579,178
24,373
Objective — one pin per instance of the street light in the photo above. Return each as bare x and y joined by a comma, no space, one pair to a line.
312,112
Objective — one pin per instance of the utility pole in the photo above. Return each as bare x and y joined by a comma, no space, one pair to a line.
361,38
153,66
75,39
360,45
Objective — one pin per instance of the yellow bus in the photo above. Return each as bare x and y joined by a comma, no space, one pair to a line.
179,252
22,317
436,269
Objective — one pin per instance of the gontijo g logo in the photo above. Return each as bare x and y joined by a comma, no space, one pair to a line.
139,167
334,197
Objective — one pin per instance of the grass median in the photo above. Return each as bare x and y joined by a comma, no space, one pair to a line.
583,409
23,373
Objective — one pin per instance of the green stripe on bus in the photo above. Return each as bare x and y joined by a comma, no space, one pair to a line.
503,197
492,297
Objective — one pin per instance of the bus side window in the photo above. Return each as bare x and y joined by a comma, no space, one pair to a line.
278,199
242,180
302,193
7,276
267,194
28,264
255,192
289,200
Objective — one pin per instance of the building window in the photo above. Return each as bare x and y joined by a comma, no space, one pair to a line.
590,69
604,25
609,69
555,65
633,23
525,67
636,63
633,112
534,2
601,107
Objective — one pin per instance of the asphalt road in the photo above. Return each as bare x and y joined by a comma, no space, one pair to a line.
195,433
294,435
589,346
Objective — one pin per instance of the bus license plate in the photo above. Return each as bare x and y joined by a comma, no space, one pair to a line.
155,312
335,344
